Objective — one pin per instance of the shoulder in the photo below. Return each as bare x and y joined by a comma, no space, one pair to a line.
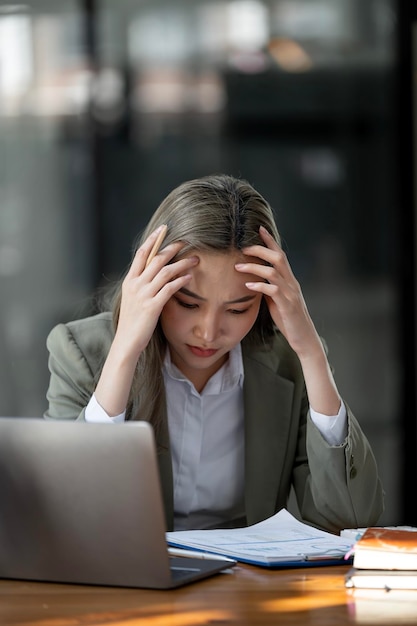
97,324
91,335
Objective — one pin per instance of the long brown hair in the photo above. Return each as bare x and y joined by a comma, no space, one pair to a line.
217,212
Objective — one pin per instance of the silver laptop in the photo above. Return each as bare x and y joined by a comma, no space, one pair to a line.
81,503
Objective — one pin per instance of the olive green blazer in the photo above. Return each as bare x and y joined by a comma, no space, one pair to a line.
335,486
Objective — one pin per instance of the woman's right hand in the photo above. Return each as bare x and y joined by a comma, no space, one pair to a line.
145,291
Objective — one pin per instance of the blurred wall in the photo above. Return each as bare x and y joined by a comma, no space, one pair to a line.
105,106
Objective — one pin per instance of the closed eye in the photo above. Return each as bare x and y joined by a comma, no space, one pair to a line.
186,305
238,311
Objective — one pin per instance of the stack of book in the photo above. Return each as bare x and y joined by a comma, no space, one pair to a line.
384,558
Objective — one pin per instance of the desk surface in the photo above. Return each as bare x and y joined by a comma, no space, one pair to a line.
247,596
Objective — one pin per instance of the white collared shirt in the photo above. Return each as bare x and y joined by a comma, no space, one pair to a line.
207,443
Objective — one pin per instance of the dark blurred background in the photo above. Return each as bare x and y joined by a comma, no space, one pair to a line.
106,105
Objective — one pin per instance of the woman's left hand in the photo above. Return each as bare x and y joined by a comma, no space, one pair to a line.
288,309
282,294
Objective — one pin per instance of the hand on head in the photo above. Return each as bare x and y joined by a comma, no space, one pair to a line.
282,293
146,289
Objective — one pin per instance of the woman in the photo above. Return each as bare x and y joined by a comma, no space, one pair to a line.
211,341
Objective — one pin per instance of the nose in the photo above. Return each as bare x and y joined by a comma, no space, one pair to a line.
208,328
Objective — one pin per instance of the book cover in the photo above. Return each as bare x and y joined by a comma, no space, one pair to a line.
386,548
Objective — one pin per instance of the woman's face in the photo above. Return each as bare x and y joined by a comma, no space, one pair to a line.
203,321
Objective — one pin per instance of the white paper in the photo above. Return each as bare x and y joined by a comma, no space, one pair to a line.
280,538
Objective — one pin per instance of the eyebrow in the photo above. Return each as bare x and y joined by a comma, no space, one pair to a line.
191,294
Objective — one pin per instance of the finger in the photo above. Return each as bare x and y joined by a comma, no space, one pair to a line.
273,258
269,241
168,273
265,288
157,244
268,252
162,257
139,260
268,272
263,253
162,268
169,289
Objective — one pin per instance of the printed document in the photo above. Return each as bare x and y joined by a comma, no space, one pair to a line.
280,540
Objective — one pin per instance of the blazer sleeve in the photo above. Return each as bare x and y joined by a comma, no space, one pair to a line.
76,353
335,486
339,486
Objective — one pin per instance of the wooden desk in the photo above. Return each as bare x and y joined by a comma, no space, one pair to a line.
248,596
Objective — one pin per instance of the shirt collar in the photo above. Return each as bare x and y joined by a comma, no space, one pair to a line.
229,376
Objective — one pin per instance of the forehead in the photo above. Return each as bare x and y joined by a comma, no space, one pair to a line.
215,275
212,262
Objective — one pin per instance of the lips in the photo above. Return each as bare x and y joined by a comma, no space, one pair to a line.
202,352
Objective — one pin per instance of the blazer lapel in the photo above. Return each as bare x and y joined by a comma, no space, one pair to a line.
268,400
